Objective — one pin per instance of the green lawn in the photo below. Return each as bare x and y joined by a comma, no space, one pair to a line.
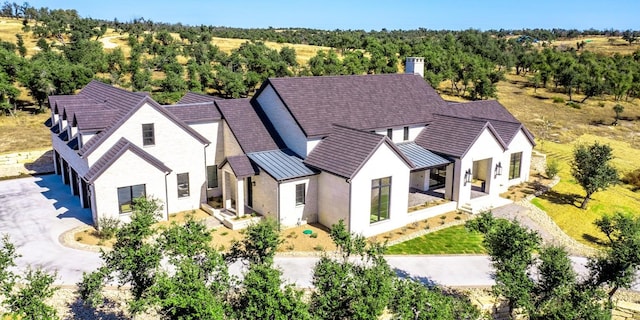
453,240
563,201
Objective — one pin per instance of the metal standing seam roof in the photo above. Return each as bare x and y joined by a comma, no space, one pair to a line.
421,157
281,164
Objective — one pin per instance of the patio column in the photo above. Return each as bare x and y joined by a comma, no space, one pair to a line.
240,197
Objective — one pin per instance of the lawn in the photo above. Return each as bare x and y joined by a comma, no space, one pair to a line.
563,201
453,240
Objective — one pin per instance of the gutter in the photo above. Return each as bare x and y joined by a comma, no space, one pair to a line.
349,211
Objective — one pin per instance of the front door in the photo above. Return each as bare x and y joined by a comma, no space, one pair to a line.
249,192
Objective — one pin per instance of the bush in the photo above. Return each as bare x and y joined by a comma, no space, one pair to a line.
557,100
573,104
107,227
552,169
632,178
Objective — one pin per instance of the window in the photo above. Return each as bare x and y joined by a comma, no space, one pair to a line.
437,177
127,194
390,133
514,165
406,134
380,199
212,177
148,136
300,193
183,185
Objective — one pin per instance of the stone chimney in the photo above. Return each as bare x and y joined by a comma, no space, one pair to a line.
415,65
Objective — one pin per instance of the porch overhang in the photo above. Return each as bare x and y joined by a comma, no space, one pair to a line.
421,157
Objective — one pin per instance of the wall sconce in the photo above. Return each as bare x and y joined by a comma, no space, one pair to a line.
253,182
467,176
499,169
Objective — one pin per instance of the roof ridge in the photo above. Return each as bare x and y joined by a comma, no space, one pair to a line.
350,76
188,104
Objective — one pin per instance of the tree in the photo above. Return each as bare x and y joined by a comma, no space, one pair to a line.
618,109
259,246
617,266
134,260
510,247
358,286
592,169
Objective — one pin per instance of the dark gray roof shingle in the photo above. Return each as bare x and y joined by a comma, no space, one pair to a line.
281,164
484,109
115,152
240,165
94,120
453,136
251,129
345,151
421,157
195,112
111,96
361,102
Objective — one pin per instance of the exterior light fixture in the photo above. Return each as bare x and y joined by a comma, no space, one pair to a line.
467,176
499,169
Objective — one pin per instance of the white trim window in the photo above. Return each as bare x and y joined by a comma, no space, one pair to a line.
301,194
183,184
126,195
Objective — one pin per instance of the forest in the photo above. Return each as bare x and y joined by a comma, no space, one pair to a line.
169,59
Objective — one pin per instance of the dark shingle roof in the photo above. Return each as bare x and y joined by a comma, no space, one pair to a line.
421,157
484,109
111,96
346,150
251,129
94,120
281,164
240,165
114,153
193,97
453,136
361,102
195,112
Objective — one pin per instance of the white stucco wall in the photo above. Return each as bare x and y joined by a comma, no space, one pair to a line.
398,133
85,137
333,199
383,163
265,195
128,170
520,143
174,146
485,147
282,120
290,213
312,143
213,131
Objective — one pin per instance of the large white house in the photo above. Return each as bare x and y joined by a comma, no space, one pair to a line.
367,149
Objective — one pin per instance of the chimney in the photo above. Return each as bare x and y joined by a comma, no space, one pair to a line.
415,65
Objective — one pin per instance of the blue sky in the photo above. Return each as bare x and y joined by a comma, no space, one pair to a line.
368,15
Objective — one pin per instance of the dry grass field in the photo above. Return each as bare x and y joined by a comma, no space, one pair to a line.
599,44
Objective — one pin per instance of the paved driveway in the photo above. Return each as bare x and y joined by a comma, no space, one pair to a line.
34,212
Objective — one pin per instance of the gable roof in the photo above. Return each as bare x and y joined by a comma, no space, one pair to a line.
359,101
195,112
454,136
194,97
240,165
94,120
124,115
346,150
250,127
114,153
509,130
111,96
281,164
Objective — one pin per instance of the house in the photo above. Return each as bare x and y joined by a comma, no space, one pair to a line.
371,150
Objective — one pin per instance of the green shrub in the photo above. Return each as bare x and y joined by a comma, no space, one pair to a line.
552,169
601,104
573,104
557,100
314,235
632,178
107,227
318,248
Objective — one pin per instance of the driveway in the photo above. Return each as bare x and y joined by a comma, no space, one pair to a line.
34,212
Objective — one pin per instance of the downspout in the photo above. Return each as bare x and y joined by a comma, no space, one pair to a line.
349,211
166,193
278,203
206,175
453,179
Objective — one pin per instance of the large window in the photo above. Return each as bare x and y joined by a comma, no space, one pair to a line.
212,177
127,194
300,193
437,177
514,165
183,185
380,199
148,135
